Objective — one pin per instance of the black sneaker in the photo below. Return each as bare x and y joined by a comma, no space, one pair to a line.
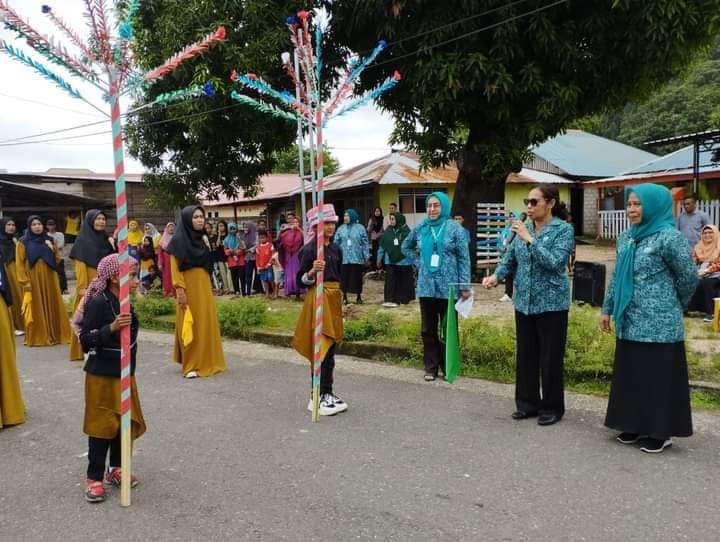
655,446
628,438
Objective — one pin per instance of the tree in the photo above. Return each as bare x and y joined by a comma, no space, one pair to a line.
286,161
690,103
522,80
215,146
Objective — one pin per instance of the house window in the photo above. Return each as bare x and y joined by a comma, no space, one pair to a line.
412,203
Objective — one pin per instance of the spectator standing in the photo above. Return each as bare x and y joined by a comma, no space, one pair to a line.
59,240
691,222
375,230
164,260
353,240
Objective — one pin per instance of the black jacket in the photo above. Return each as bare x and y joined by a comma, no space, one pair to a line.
102,345
333,261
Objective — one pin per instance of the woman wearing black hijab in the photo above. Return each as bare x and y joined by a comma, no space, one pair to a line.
91,246
8,240
46,321
198,347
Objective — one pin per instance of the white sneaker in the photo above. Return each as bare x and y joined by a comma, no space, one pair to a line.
340,405
19,333
327,405
505,298
191,374
387,304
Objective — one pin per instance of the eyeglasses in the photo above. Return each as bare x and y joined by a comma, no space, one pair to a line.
532,201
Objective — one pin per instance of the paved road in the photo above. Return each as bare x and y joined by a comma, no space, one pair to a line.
236,458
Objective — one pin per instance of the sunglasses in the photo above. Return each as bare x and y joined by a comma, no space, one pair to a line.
532,201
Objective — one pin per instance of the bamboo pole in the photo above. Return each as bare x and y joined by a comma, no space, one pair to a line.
125,378
301,154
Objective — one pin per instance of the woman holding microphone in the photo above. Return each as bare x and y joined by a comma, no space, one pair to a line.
538,256
653,281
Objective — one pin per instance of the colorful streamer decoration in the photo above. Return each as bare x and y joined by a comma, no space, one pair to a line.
110,56
308,110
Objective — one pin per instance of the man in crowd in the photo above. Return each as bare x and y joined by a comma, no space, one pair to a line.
392,208
691,222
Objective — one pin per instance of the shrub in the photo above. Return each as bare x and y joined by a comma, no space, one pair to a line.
239,316
369,327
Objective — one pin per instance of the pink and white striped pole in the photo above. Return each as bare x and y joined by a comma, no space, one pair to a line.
123,257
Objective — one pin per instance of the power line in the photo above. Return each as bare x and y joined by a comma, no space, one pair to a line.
50,105
468,34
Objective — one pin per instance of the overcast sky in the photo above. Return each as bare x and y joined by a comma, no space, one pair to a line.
30,104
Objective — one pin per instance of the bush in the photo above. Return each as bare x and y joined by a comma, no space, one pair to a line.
150,307
369,327
590,353
239,316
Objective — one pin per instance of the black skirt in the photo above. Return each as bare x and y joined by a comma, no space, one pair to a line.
351,278
650,394
399,284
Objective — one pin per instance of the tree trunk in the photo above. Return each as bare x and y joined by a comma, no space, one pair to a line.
475,184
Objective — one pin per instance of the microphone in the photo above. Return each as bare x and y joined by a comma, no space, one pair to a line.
511,237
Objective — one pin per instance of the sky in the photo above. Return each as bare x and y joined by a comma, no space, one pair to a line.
30,105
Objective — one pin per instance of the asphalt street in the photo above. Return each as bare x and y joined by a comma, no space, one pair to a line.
236,457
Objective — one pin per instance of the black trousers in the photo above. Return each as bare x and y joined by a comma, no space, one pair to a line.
247,287
509,283
97,454
432,311
237,275
706,290
327,370
62,276
541,342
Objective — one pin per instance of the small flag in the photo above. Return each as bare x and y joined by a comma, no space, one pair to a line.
26,309
187,328
452,341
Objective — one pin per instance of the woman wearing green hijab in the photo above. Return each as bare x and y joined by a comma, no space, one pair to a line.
439,248
654,279
399,280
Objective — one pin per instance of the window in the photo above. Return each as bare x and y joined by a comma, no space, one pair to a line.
412,200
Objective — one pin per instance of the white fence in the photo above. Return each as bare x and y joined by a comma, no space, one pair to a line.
613,223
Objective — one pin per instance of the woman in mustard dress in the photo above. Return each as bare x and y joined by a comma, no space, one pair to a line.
191,265
91,246
12,408
8,241
36,260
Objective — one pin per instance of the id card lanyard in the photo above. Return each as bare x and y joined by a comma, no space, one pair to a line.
435,258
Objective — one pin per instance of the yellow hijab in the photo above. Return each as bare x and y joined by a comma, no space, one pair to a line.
135,234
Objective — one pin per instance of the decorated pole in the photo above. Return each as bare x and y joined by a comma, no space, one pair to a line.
301,154
124,259
320,278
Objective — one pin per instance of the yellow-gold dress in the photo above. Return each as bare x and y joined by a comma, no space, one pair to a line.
84,275
51,324
205,353
12,408
16,293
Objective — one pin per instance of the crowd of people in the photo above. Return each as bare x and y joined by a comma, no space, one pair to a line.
193,260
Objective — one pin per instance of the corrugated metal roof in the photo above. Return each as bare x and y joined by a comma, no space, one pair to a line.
580,154
533,176
274,186
678,160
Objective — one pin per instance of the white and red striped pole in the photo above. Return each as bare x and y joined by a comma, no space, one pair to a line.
320,237
123,258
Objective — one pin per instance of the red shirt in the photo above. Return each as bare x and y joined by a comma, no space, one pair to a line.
263,253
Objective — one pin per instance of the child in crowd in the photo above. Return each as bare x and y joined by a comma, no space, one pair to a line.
150,278
147,257
99,321
277,272
263,263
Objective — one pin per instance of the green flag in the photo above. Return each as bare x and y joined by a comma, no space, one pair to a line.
452,341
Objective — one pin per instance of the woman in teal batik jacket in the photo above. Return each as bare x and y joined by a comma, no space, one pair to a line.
352,237
654,279
538,257
439,248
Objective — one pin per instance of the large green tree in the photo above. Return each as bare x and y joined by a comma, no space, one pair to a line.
229,147
286,161
483,96
690,103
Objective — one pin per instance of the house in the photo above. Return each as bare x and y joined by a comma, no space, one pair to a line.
675,170
581,157
58,192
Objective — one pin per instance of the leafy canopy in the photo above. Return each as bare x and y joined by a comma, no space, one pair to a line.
488,96
286,161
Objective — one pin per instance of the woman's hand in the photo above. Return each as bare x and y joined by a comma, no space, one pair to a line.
318,267
489,282
605,323
521,231
123,320
50,244
181,297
